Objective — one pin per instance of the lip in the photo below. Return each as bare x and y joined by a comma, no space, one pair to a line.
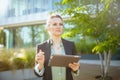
58,30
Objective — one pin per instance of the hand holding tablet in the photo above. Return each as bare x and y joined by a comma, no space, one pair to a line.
63,60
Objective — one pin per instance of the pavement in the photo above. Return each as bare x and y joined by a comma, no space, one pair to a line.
89,69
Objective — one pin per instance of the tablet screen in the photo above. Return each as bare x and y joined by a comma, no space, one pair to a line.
62,60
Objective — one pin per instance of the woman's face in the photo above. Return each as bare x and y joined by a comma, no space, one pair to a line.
56,26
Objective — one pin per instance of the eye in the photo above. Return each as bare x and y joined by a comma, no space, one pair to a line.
54,24
61,24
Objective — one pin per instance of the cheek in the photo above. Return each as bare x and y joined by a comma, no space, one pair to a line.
51,30
61,29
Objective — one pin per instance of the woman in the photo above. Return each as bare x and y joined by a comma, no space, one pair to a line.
55,45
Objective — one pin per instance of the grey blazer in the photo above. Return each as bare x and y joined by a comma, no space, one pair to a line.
69,48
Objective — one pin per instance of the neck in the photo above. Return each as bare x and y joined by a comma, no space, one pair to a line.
56,40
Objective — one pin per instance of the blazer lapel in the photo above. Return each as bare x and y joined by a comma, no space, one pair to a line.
48,50
66,47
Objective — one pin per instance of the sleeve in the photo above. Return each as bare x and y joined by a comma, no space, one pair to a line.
76,73
37,71
74,52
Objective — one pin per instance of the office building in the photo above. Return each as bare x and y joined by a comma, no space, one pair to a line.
23,21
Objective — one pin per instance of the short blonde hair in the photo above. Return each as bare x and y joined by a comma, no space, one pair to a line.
51,17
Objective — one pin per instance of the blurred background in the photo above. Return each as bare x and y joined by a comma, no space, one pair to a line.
86,22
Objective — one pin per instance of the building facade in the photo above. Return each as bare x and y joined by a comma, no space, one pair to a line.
23,22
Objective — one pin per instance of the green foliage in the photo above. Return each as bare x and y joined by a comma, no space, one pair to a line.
101,24
4,60
99,20
30,57
84,46
111,44
17,59
2,37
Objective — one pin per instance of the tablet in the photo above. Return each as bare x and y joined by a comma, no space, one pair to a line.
62,60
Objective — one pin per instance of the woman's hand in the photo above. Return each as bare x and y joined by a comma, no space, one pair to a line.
74,66
40,58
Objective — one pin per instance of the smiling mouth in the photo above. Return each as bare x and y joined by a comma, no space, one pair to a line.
58,30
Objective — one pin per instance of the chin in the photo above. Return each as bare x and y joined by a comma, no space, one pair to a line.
58,34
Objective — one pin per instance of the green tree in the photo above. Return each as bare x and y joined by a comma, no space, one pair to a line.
98,19
2,37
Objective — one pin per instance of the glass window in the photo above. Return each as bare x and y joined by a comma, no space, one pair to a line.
25,36
26,7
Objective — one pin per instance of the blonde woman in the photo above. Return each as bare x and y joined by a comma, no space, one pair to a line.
55,45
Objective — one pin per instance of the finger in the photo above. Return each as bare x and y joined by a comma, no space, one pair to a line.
39,57
74,65
70,65
41,52
77,64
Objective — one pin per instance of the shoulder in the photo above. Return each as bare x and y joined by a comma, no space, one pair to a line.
67,41
43,43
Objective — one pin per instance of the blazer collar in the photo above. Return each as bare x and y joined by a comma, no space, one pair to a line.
64,42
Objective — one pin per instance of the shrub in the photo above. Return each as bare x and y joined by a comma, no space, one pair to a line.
16,59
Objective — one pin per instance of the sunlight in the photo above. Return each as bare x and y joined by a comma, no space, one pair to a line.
3,7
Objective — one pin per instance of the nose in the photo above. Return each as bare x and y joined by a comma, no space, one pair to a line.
59,25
